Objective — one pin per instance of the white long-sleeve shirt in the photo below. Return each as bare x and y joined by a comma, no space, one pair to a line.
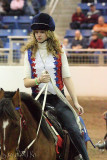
43,52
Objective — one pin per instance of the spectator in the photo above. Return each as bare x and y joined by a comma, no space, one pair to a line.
77,19
1,43
79,42
96,43
4,7
17,7
2,11
92,18
66,45
101,29
32,7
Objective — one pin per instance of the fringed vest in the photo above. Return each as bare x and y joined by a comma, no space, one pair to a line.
52,65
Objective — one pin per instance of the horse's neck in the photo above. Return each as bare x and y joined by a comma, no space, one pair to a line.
31,122
42,145
29,131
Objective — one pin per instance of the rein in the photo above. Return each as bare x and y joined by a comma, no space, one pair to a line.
45,87
22,123
62,97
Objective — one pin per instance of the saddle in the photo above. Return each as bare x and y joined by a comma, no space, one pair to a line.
67,150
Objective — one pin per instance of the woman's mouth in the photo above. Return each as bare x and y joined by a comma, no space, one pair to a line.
39,38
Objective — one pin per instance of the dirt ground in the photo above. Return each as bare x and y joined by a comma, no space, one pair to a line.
95,124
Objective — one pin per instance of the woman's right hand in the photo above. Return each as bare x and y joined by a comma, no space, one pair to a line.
44,78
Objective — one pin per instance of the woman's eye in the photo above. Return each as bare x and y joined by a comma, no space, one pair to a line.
42,31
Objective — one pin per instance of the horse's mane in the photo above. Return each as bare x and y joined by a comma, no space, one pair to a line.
34,107
6,110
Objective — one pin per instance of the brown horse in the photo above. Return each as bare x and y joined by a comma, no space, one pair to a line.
16,121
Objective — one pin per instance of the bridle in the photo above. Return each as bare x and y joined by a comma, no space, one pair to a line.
61,96
23,123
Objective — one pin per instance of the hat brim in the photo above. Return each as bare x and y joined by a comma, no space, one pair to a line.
39,27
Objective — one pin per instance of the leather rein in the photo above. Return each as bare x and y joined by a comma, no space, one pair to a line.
23,123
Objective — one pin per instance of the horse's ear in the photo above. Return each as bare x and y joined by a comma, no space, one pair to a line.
16,98
1,93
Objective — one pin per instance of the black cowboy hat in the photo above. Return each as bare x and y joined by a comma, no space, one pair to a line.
43,21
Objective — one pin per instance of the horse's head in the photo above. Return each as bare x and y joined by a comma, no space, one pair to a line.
9,124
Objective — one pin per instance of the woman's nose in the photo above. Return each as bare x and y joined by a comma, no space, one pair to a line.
39,34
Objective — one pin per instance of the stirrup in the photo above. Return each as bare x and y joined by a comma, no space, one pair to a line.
100,145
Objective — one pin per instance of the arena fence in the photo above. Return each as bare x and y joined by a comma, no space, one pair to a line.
4,56
16,55
87,57
81,57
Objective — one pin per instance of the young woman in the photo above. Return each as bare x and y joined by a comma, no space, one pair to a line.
44,53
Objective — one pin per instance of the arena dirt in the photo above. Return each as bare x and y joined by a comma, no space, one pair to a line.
95,124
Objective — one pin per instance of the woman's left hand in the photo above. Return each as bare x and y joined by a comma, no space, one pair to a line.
80,108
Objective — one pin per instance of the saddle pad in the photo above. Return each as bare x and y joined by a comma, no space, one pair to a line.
54,121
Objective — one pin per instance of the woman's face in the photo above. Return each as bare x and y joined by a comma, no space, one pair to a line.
94,37
78,10
40,35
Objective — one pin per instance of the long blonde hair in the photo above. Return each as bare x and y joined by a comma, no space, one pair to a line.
53,44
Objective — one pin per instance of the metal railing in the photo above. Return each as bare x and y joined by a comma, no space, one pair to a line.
16,56
52,6
5,56
87,57
81,57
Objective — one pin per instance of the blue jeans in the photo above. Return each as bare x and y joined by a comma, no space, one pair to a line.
68,121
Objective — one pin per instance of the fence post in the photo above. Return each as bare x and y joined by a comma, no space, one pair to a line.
11,52
101,59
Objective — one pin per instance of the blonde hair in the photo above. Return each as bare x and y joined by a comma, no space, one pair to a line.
53,44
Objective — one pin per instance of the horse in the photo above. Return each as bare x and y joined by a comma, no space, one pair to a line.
18,127
103,145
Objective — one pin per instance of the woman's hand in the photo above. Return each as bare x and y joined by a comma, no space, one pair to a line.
80,108
45,78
